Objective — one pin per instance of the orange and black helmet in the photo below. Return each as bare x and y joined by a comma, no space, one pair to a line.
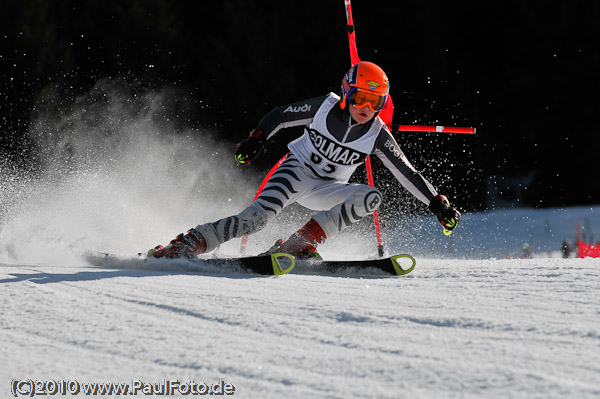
365,84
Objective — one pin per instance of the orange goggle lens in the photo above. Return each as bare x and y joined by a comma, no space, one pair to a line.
362,99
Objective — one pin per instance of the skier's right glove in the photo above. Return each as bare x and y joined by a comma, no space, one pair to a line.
448,216
248,149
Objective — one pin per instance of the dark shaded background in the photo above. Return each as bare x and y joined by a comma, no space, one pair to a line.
525,74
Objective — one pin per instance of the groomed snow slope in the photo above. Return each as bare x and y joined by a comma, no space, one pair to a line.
456,328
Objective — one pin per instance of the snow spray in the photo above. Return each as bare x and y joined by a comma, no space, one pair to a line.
113,173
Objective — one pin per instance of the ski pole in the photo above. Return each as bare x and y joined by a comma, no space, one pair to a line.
386,115
260,189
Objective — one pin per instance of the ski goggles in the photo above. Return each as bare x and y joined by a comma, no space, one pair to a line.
362,99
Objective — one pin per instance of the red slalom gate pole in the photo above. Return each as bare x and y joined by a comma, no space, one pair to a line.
351,35
385,114
260,189
434,129
376,213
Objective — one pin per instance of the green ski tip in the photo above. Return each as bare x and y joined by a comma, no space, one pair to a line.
282,263
398,268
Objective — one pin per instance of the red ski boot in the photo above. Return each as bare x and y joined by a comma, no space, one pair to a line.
302,244
184,246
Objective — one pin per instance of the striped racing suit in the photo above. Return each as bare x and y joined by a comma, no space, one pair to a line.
316,172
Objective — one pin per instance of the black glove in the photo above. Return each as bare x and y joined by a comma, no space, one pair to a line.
248,149
448,216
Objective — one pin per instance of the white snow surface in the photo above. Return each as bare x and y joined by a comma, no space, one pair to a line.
451,329
466,323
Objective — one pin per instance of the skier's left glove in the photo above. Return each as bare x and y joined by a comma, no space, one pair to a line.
447,215
248,149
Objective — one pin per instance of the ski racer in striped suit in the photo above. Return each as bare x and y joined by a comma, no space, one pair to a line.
339,132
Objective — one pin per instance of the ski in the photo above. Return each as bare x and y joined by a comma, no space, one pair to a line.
275,264
391,265
272,264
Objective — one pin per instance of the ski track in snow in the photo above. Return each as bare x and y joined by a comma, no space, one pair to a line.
451,329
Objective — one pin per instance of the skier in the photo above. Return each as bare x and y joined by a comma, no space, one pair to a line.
566,248
339,132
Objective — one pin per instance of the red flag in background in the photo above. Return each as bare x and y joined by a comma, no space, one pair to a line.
586,250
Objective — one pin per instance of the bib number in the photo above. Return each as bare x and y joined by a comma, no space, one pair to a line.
318,160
